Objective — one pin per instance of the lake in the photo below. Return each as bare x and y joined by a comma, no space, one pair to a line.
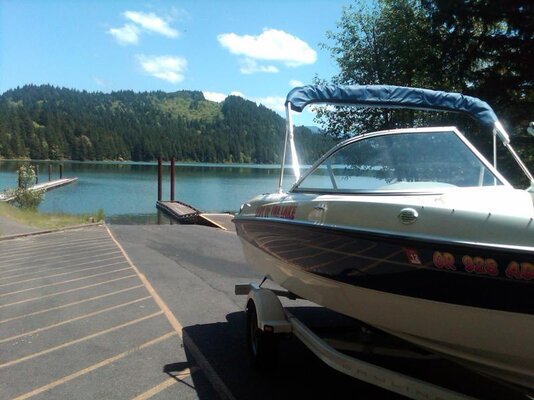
129,188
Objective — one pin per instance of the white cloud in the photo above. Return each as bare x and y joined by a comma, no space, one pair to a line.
219,97
275,103
99,81
250,66
168,68
214,96
140,22
270,45
294,83
128,34
151,22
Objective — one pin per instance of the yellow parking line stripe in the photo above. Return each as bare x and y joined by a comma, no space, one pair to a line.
70,304
24,248
209,372
29,242
83,252
79,340
53,249
53,243
41,265
63,282
91,368
214,378
162,386
91,314
166,310
67,291
60,274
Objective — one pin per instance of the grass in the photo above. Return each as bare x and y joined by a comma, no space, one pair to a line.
46,220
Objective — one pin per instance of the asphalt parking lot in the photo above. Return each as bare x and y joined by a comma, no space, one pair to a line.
77,321
147,312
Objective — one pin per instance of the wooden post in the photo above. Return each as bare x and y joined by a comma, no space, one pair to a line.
60,171
172,178
160,175
49,172
36,174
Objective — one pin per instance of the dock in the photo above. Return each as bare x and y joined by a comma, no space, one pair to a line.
181,212
184,213
46,186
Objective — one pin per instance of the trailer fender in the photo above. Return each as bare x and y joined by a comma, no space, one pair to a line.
269,310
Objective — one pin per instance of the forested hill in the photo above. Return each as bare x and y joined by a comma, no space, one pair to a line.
46,122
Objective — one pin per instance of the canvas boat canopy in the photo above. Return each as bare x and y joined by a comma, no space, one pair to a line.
387,96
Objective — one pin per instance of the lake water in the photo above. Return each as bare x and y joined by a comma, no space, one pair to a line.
131,188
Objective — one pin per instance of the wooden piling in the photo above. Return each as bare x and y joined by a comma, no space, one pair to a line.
173,161
36,174
49,172
160,176
60,171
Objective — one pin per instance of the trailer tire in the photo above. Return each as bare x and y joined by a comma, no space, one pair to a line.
261,346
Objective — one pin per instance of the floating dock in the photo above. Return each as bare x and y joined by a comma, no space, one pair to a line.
181,212
46,186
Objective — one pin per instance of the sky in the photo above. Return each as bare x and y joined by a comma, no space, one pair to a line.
256,49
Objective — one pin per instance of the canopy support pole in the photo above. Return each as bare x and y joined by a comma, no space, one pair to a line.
294,156
521,164
281,178
495,155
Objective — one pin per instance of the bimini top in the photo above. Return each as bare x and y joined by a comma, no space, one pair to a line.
386,96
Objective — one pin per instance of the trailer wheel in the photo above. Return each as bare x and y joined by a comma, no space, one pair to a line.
261,346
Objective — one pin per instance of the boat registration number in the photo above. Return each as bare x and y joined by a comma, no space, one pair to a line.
483,266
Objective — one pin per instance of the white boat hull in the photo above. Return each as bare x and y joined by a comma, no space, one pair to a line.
498,344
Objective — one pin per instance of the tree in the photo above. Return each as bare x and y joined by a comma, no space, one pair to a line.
481,48
386,43
486,50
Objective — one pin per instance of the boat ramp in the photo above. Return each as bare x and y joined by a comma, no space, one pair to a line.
186,214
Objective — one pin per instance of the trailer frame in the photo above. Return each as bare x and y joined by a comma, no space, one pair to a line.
274,320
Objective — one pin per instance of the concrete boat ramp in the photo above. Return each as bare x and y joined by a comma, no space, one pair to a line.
186,214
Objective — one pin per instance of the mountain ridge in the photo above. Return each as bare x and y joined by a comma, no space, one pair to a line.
48,122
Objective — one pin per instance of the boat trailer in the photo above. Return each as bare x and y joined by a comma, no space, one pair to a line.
268,320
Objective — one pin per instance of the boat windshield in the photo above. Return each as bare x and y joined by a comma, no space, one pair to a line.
406,162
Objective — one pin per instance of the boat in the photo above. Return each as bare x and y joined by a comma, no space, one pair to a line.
412,231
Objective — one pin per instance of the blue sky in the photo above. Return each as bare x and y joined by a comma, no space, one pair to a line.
256,49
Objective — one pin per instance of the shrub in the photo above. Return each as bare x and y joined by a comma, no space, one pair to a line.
100,216
24,196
